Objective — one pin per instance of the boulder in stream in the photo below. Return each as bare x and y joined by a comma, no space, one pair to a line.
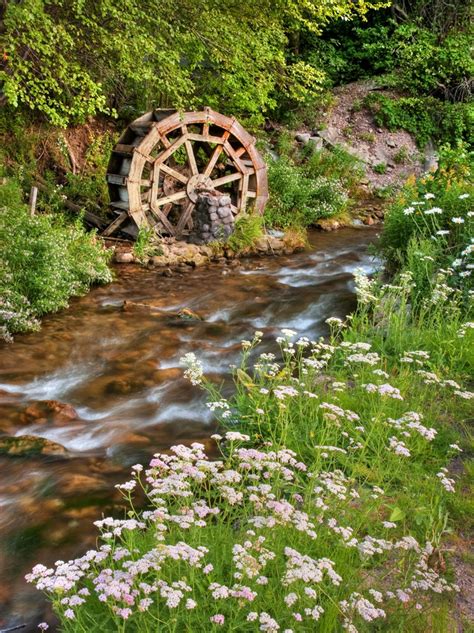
29,446
49,411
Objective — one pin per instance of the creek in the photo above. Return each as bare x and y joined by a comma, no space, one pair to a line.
119,370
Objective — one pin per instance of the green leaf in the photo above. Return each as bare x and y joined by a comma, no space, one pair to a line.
397,515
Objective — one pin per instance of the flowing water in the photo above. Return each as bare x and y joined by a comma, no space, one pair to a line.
119,369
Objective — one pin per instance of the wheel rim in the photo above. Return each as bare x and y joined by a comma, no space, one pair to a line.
163,158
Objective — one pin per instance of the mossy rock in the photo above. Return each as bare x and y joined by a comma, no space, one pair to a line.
29,445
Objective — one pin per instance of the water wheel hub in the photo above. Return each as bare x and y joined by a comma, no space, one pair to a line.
195,183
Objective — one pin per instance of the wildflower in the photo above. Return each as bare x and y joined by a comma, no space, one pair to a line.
433,210
364,287
43,626
371,358
429,196
457,220
334,322
389,524
282,392
463,196
217,619
399,447
288,333
267,623
383,390
409,210
465,395
234,436
446,482
442,232
290,599
455,447
194,371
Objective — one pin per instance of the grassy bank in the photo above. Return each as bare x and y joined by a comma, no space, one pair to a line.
340,479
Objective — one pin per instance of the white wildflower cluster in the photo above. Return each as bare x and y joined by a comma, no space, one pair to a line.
430,378
411,422
415,357
465,327
383,390
365,287
398,447
335,322
446,482
248,345
221,406
194,371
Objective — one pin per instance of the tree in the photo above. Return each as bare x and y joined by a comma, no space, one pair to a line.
69,59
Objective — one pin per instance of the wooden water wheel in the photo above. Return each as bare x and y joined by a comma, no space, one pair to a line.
164,157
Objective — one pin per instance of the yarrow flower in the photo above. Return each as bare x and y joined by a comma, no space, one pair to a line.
217,619
235,436
457,220
194,371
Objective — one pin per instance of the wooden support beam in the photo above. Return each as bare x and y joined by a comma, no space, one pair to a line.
113,226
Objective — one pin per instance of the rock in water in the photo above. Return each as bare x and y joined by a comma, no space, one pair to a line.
29,445
49,411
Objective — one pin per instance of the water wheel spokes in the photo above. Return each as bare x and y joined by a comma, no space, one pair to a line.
163,159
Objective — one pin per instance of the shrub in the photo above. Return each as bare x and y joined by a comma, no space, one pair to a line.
430,65
301,194
335,163
147,244
44,261
424,117
380,168
248,228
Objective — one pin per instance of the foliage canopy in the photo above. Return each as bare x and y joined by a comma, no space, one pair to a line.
75,58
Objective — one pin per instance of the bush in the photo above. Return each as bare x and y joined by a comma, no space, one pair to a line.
299,197
248,228
334,163
430,65
425,117
44,261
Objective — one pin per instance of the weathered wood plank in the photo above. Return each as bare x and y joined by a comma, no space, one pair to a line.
175,174
179,195
113,226
223,180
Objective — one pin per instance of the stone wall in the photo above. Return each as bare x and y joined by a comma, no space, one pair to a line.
213,217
